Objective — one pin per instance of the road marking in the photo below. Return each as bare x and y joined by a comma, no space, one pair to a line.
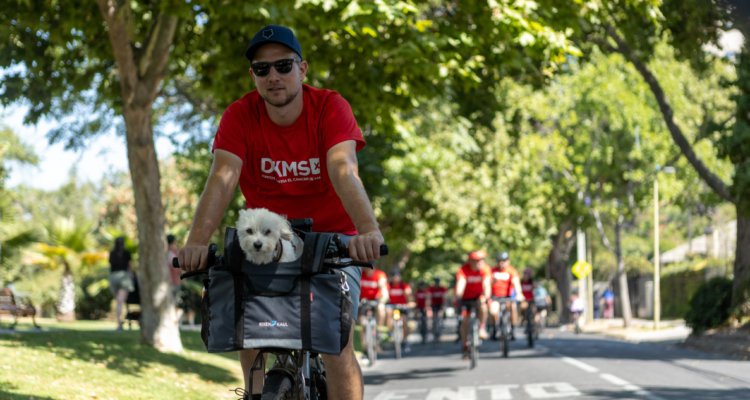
463,393
579,364
398,394
562,389
630,387
499,392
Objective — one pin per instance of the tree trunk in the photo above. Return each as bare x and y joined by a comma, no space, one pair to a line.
559,271
742,260
622,277
158,316
66,303
141,72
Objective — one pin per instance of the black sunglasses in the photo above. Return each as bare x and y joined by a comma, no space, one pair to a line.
282,66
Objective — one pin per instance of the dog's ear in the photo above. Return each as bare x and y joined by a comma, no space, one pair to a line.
286,232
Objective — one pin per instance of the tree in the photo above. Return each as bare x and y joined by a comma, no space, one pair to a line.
632,28
14,233
67,61
68,245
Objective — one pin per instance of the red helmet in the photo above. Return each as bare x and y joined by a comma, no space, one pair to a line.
477,255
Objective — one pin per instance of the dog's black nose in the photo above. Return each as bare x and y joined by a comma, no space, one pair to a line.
258,245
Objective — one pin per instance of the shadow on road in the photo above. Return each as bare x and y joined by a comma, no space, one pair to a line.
411,375
676,393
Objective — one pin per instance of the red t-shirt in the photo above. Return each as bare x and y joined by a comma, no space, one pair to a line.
527,288
284,167
501,281
473,279
437,295
369,285
421,298
397,293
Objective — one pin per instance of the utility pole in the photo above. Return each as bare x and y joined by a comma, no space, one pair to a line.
589,282
657,262
657,281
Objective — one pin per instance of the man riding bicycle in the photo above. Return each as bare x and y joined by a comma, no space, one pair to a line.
473,285
504,280
527,288
374,284
420,297
400,295
292,148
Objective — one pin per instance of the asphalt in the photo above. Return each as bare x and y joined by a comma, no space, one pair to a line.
561,365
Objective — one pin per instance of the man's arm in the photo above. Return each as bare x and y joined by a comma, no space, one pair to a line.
517,284
460,287
220,186
344,173
487,287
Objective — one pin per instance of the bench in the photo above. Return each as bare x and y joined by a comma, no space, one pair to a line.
9,306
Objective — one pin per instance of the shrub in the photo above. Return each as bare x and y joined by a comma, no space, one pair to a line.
710,306
96,300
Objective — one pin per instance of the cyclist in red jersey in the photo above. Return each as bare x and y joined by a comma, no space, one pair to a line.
527,288
400,295
437,296
374,284
420,296
473,284
505,278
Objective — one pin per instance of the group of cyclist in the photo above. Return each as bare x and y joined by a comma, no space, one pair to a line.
476,284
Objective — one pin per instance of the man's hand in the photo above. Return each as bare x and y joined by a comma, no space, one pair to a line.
520,297
366,246
192,257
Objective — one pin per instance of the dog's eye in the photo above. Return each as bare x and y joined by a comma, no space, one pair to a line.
268,232
249,231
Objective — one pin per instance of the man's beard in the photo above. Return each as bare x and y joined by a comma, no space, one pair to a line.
286,100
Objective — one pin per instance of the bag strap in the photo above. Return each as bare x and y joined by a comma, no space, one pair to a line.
233,256
313,255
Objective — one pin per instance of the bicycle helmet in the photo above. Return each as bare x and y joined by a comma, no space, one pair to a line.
477,255
503,256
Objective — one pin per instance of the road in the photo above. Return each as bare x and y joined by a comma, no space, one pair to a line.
562,365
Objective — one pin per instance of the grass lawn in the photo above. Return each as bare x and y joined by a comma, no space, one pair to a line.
89,364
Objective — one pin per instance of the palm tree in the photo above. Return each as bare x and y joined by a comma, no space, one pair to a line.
15,235
69,245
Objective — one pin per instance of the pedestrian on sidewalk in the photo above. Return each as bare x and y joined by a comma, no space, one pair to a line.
609,304
120,276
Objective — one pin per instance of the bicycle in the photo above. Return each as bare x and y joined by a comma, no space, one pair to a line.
542,323
503,324
470,307
437,325
423,326
398,328
371,329
530,324
289,376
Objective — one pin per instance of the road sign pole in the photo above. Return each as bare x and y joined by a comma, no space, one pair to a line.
582,286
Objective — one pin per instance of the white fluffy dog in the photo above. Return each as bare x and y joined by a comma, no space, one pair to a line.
267,237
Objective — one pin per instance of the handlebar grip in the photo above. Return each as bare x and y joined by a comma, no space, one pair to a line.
175,263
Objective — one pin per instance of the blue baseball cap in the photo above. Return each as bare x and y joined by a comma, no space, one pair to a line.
273,34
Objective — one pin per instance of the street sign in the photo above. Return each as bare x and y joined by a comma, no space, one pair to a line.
581,269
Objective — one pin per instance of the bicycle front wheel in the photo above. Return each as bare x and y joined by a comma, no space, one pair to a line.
474,347
397,340
277,387
371,338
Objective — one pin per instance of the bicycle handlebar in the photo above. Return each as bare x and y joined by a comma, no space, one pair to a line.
338,250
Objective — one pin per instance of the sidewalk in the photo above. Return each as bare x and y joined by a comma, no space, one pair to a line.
640,330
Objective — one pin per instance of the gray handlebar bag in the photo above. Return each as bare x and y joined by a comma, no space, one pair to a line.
299,305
